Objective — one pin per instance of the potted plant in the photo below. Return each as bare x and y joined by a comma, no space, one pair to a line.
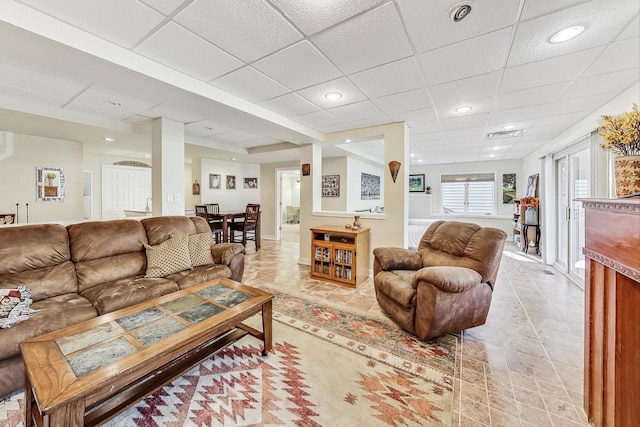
531,213
50,177
621,136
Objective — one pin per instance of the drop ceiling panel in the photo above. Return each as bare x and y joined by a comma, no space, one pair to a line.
358,111
250,84
466,89
235,136
602,83
105,100
586,104
599,18
11,96
516,115
632,30
405,101
397,76
427,127
370,121
619,56
114,114
312,16
298,66
534,96
414,116
481,105
476,120
290,105
173,113
430,27
184,51
534,8
548,71
38,82
368,40
317,119
561,119
104,18
467,58
248,29
206,128
166,7
349,92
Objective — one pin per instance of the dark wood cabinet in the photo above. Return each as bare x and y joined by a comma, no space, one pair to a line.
612,312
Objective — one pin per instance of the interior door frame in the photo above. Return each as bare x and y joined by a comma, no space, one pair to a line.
278,205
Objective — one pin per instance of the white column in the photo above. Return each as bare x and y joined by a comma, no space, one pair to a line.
167,140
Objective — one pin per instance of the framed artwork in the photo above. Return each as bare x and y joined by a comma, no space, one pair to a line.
214,181
9,218
330,185
508,188
369,187
250,183
49,184
231,182
532,186
416,183
306,169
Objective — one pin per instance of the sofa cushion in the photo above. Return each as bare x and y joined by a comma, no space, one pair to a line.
50,314
38,257
160,228
396,285
188,278
113,296
168,257
200,249
106,251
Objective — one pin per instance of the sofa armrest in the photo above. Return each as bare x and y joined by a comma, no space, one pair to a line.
448,279
222,253
397,259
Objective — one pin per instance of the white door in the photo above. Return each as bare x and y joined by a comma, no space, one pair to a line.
124,188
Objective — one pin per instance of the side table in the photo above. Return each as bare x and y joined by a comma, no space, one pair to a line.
526,238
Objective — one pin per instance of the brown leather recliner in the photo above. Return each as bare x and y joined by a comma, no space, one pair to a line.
446,286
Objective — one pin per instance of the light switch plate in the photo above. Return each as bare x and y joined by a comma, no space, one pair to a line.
178,198
169,198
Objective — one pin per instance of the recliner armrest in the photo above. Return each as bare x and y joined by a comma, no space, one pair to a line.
222,253
397,259
448,279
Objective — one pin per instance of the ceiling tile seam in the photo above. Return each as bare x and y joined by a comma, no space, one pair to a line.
553,11
165,21
77,95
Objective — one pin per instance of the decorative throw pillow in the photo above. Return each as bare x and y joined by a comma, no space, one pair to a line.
200,249
14,306
170,256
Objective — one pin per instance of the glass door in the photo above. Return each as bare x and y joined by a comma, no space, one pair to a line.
573,182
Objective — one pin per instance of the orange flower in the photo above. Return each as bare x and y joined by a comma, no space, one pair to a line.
530,201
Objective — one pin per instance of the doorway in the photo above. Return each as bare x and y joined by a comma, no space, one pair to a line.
288,215
573,182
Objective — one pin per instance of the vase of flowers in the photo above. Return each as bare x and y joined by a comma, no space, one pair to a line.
621,136
531,212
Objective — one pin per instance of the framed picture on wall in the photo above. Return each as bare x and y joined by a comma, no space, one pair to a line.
532,186
306,169
508,187
330,185
416,183
231,182
49,184
214,181
250,183
369,186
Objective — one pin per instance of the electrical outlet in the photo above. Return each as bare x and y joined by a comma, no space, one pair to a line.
169,198
178,198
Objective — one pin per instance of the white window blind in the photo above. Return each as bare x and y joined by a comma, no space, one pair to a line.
468,193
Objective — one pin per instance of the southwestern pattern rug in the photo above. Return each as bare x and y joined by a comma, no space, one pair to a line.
328,367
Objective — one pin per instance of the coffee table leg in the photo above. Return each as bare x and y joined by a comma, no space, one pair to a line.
267,327
28,399
69,415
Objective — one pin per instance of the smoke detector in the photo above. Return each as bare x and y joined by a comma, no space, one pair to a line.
460,11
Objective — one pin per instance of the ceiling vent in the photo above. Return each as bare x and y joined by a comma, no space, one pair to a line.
505,134
460,11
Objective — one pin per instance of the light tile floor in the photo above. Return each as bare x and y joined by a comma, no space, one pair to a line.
524,367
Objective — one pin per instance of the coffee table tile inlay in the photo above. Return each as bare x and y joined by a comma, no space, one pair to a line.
87,373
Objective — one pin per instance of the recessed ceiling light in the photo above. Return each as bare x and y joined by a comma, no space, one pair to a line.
464,109
347,140
114,103
566,34
107,139
147,155
509,126
333,96
460,11
411,155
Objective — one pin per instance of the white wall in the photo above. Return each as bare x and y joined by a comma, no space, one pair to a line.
229,199
18,175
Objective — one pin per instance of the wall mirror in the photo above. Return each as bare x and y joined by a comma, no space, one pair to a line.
358,167
49,184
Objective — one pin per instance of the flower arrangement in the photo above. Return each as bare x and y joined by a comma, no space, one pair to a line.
530,201
621,134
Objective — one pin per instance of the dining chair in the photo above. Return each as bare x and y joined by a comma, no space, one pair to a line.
248,227
201,210
214,223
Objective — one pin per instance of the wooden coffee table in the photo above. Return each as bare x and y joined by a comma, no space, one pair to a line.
87,373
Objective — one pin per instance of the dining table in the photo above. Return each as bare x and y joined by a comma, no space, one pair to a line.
226,216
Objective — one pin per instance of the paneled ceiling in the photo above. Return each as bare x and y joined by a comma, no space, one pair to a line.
249,78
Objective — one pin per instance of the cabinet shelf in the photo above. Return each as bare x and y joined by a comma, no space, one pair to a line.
340,255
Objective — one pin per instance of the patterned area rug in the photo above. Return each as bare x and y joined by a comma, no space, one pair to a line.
329,367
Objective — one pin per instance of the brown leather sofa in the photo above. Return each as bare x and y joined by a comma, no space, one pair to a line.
446,285
84,270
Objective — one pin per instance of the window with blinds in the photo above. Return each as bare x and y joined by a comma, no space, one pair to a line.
468,193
